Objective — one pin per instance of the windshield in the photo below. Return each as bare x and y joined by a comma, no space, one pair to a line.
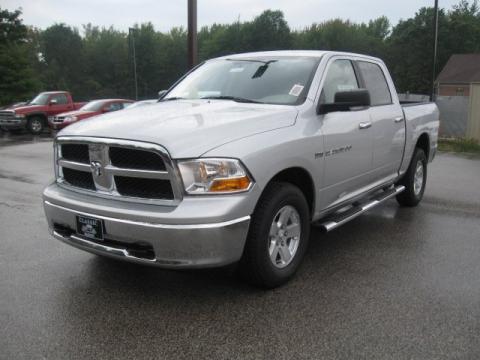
93,105
40,99
280,80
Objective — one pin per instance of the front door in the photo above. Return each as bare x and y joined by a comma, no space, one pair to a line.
347,137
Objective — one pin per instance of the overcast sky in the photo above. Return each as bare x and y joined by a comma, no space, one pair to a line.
165,14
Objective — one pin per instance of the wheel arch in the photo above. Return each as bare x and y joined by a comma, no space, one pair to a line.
423,142
41,115
301,178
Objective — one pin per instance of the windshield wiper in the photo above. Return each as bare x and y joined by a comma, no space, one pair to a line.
234,98
265,62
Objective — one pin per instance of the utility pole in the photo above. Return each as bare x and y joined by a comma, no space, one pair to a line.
131,32
435,48
192,34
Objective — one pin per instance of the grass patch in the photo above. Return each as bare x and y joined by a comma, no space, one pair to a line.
459,145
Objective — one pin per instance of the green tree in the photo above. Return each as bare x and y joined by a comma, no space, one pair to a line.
341,35
410,44
268,31
172,59
106,62
463,34
99,62
64,59
18,80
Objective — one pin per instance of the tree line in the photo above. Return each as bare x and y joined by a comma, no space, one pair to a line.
97,62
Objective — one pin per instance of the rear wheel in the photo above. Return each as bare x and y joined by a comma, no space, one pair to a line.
35,125
278,236
414,180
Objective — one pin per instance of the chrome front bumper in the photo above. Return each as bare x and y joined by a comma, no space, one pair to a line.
13,123
206,244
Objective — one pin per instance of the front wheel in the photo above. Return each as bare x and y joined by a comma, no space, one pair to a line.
35,125
278,236
414,180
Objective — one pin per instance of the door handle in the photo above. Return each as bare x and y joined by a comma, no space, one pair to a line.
364,125
398,119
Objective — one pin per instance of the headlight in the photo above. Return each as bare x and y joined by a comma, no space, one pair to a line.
206,176
70,118
19,116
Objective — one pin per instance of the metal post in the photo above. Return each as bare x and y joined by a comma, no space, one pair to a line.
131,32
435,48
192,34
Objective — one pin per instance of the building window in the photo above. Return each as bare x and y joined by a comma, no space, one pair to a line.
460,91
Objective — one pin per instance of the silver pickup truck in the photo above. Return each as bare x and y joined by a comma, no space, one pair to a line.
236,161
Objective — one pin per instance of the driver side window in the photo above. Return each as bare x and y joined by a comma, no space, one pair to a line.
340,77
61,99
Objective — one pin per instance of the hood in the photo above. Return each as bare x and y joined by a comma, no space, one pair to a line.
78,113
187,128
26,108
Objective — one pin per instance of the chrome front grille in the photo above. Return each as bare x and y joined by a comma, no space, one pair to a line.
119,169
135,159
76,152
7,116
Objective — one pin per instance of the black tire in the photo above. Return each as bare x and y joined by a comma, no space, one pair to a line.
410,197
36,125
256,265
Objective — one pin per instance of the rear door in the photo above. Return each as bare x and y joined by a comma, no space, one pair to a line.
347,141
388,124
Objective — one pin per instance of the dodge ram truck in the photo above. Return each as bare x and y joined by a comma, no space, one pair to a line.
34,115
237,160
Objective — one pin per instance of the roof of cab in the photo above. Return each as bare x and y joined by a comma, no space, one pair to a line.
54,92
300,53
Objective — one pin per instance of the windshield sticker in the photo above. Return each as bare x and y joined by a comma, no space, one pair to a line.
296,90
237,69
202,94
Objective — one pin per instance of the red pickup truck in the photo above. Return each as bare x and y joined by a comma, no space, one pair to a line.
35,114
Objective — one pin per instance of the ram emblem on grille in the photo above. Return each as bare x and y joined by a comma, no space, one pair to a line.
96,167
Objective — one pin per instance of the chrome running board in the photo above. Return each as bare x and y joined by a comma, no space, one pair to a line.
337,219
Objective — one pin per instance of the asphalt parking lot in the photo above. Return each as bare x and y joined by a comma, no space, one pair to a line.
396,283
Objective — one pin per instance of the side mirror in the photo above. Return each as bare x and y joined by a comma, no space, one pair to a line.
53,102
346,100
161,93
